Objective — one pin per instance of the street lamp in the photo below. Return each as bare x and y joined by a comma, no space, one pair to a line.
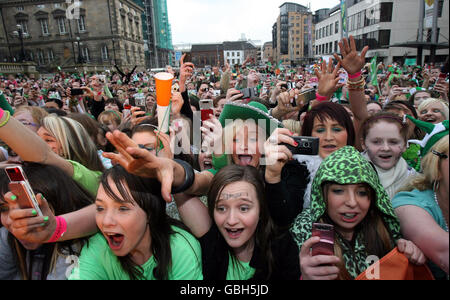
20,34
80,56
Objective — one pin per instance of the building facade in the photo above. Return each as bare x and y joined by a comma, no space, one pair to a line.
382,25
92,35
268,53
293,34
159,49
207,55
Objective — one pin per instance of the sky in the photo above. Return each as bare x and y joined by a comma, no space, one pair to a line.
210,21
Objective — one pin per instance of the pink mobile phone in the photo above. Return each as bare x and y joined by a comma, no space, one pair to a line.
21,188
326,244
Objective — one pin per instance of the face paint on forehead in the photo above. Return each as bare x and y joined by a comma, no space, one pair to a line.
225,196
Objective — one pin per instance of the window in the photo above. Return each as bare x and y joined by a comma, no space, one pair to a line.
40,6
336,27
24,25
62,25
384,37
386,12
44,26
105,54
238,54
50,55
81,24
85,54
40,55
20,8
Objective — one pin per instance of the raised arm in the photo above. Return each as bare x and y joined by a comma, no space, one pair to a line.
194,214
419,227
353,63
29,146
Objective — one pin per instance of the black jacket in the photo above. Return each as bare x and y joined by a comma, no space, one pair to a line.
285,198
215,258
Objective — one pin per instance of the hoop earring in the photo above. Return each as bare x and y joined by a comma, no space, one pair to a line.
436,185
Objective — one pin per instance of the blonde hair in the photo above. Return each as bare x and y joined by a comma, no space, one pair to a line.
293,125
110,116
232,128
75,141
431,101
430,169
37,113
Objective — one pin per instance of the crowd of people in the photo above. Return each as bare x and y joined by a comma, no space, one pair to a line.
359,146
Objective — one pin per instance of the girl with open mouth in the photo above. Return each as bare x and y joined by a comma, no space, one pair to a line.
384,139
138,241
238,238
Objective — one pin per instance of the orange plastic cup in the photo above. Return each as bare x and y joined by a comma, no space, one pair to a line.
163,88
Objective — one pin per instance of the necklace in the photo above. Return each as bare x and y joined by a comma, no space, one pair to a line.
437,202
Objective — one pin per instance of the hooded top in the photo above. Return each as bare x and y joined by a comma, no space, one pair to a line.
346,166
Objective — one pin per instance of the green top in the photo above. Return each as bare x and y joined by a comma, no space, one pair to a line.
5,105
241,271
424,200
88,179
346,166
98,262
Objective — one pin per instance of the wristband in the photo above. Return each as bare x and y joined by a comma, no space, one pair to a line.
321,98
189,179
354,76
61,228
2,112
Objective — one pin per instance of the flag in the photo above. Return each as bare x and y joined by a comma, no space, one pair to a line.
373,71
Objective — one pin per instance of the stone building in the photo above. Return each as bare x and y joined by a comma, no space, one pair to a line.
90,35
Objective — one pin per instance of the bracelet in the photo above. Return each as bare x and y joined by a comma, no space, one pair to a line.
353,76
61,228
321,98
2,112
188,181
8,116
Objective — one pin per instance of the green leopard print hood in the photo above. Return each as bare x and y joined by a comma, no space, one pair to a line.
346,166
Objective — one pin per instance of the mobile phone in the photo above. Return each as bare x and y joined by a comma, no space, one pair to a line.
307,96
216,93
248,93
326,244
21,188
306,146
342,78
206,108
76,92
139,100
188,58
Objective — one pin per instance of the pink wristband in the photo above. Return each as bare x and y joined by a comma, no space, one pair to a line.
61,228
321,98
353,76
2,112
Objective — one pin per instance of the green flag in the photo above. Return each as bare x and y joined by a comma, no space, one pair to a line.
373,71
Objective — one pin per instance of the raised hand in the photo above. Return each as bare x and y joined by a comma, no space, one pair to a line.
328,78
141,162
351,61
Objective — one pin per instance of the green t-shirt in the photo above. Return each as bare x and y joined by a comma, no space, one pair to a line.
239,270
98,262
88,179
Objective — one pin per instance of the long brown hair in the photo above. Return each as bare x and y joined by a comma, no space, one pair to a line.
377,240
265,231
